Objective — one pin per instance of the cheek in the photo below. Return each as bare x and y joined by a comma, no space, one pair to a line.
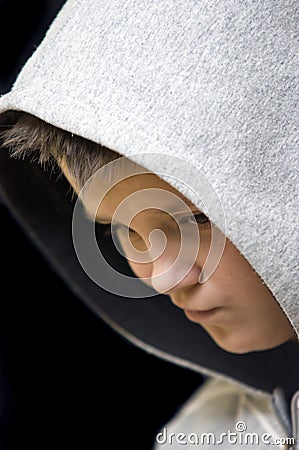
236,274
141,270
248,296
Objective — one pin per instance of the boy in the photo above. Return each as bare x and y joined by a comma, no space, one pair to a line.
184,88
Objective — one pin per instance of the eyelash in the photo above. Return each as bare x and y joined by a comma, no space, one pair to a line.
204,224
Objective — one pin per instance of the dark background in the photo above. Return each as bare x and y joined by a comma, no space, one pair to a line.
66,379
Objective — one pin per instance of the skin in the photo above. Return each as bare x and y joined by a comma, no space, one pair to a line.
234,305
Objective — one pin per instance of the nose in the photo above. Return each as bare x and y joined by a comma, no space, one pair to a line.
171,272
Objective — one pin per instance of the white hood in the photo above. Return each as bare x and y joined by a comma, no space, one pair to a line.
210,82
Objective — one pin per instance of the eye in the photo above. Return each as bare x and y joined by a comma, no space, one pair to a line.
200,219
132,233
107,230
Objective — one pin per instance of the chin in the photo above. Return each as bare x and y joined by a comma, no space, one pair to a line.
241,344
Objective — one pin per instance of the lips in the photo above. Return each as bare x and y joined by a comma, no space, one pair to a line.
200,300
201,316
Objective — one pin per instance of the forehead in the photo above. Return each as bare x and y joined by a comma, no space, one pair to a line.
137,191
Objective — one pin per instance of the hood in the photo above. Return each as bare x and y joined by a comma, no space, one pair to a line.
211,83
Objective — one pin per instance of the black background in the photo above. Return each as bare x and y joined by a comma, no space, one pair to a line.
67,380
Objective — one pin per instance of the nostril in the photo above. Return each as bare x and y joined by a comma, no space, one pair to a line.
173,279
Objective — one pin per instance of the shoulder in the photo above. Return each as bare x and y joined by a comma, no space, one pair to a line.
217,408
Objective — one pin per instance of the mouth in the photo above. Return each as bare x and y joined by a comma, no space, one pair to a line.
201,316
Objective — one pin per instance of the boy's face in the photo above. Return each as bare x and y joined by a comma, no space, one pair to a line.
233,305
